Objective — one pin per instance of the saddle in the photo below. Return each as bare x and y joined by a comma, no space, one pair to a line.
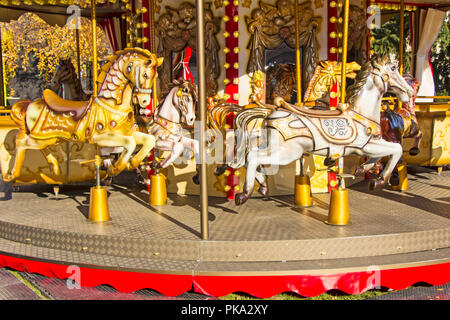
301,109
59,105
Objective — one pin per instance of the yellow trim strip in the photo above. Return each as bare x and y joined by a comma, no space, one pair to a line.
17,275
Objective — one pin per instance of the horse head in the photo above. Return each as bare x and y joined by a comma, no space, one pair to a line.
389,79
140,69
63,72
185,99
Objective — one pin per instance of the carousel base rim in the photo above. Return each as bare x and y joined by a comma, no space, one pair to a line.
307,278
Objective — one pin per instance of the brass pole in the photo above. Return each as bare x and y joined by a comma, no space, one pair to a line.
344,50
94,48
153,47
77,36
297,54
2,75
201,73
402,35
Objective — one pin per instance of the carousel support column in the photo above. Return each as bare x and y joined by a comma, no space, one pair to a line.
157,189
338,213
2,75
333,41
98,202
302,187
231,81
201,76
401,166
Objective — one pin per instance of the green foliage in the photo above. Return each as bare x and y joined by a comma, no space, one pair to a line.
387,40
440,59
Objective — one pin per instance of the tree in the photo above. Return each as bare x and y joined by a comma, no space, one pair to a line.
387,40
440,59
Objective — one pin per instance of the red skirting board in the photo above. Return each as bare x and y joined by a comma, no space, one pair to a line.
259,285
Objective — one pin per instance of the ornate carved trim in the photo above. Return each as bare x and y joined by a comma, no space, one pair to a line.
272,25
176,29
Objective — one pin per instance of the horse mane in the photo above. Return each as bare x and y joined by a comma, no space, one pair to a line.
180,83
355,89
106,68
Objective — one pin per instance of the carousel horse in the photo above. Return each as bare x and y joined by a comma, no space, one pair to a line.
106,120
65,75
325,76
402,123
175,109
353,128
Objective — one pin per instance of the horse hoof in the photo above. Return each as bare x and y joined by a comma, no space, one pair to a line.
263,190
328,162
375,183
394,180
359,171
218,171
240,198
155,165
196,179
414,151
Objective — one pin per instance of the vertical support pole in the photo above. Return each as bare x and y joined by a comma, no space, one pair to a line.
302,184
338,213
153,46
94,48
77,39
297,54
402,35
2,75
344,50
202,105
98,202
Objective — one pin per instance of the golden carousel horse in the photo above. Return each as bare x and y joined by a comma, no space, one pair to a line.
106,120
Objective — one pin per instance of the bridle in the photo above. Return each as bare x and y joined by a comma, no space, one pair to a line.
180,101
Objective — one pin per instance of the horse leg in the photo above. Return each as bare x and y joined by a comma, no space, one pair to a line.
381,148
414,151
22,145
51,159
261,178
366,166
148,143
279,156
111,139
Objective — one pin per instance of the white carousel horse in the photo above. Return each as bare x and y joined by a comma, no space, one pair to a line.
106,120
176,108
352,129
65,75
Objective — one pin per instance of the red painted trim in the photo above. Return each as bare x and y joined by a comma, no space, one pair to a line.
146,19
258,286
231,73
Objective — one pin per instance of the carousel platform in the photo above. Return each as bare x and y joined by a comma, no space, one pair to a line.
264,247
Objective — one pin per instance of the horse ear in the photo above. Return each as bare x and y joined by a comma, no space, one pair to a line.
160,61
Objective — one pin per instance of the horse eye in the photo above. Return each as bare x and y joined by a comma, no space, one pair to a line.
145,76
185,90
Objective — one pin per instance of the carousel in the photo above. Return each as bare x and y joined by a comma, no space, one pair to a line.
226,146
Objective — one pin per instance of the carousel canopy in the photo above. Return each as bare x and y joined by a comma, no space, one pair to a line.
55,12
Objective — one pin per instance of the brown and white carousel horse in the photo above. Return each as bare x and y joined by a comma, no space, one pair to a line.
354,128
176,109
66,77
106,120
402,123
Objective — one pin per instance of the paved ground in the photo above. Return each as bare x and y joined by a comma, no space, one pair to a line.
16,285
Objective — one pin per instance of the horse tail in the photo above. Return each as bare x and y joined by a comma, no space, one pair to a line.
217,114
241,127
18,112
